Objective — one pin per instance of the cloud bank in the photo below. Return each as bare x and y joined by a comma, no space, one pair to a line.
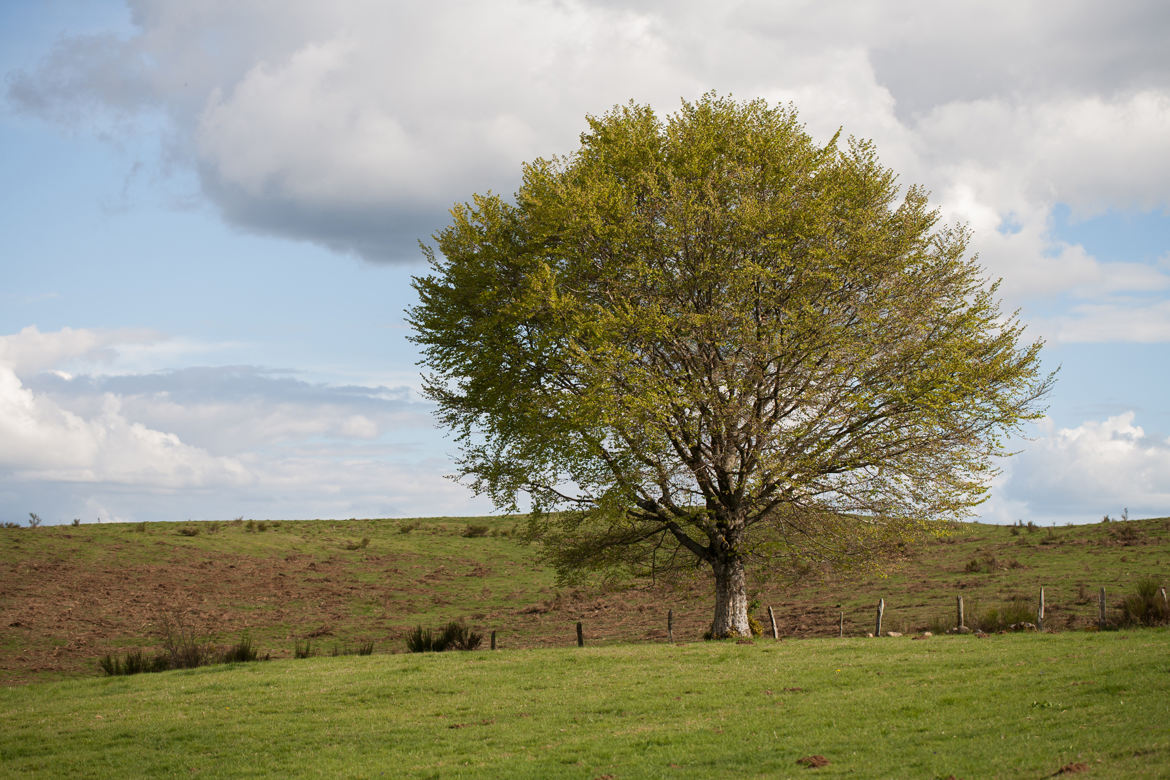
134,445
356,125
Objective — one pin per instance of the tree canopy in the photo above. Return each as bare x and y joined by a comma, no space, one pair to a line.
707,339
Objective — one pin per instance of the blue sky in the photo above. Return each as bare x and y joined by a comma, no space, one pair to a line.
211,212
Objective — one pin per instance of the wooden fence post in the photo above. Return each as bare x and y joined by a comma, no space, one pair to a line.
670,625
493,640
1165,602
841,625
580,635
961,624
881,610
1040,612
1101,610
772,617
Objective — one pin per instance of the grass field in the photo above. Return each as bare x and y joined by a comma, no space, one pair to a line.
69,595
1012,706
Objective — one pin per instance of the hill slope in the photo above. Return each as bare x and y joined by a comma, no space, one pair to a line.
69,595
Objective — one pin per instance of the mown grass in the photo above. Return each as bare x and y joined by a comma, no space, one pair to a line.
1005,706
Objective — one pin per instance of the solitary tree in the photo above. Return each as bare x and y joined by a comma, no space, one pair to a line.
707,340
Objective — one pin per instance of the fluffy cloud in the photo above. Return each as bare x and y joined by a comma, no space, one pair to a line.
42,441
1079,474
356,124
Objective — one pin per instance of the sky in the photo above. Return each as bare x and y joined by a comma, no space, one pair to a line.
210,215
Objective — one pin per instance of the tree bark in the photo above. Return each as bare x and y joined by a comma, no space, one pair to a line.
731,618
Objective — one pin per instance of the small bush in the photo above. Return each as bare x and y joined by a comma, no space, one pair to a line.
34,520
365,542
454,636
1018,610
475,531
241,652
134,662
184,650
140,527
302,649
365,648
406,528
1145,606
10,524
189,530
76,521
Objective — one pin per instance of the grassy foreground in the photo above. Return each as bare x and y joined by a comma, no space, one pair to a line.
1004,706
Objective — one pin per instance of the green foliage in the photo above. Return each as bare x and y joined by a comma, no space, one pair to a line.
475,531
737,345
453,636
302,649
189,530
34,520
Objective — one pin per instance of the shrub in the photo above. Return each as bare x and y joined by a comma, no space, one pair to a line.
475,531
134,662
454,636
241,652
1145,606
406,528
1018,610
189,530
10,524
33,519
302,649
365,542
76,521
184,650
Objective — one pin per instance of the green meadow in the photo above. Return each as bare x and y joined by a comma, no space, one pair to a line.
1013,705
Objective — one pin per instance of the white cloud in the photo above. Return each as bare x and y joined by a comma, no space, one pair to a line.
42,441
1080,474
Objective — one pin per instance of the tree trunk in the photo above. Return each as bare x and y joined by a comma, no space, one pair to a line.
731,617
